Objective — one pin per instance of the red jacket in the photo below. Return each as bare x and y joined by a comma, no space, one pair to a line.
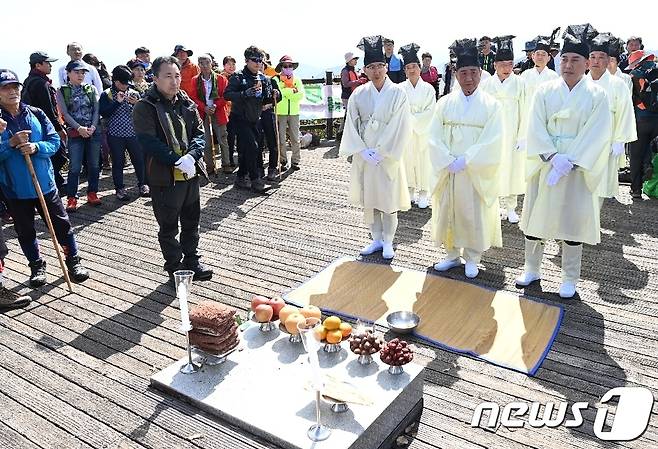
188,71
198,95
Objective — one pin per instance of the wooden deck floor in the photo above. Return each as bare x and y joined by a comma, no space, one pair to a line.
75,368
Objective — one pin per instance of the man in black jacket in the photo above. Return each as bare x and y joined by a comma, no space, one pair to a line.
39,92
247,90
170,130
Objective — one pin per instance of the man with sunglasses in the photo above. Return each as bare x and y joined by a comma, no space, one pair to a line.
378,128
38,91
248,89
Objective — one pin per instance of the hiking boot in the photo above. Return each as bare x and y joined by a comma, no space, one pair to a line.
648,173
144,191
271,174
295,167
201,272
258,185
11,300
92,199
122,195
38,273
77,272
6,217
71,204
243,183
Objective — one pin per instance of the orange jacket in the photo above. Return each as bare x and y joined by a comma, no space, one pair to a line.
187,72
221,109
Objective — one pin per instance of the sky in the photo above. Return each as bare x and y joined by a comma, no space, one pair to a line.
315,35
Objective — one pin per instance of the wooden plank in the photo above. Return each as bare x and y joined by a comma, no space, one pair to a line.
14,440
34,426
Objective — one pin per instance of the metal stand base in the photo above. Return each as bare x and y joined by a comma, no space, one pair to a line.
331,347
365,359
395,369
190,368
318,432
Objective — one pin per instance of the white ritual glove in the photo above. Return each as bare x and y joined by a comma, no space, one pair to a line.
617,148
561,163
369,155
553,177
378,157
187,164
457,165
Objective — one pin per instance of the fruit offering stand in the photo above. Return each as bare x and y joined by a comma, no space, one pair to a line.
263,387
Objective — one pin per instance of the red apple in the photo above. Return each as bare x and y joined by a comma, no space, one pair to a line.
263,313
277,304
258,300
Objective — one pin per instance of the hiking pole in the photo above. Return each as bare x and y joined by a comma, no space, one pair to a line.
212,143
46,215
278,145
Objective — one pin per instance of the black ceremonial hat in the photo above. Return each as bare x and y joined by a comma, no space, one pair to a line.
467,52
409,53
505,48
577,38
372,47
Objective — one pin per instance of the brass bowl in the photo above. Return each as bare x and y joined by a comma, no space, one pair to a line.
402,322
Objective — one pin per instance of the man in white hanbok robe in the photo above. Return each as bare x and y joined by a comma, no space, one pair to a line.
377,130
613,68
464,145
422,100
621,112
568,147
539,74
509,90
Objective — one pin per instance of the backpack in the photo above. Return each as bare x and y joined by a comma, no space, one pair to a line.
649,91
86,88
25,93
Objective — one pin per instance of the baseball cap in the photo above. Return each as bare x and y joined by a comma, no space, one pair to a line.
180,47
8,77
76,65
40,56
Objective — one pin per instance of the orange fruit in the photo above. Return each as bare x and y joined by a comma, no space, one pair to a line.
285,312
321,333
346,329
332,323
311,312
334,336
292,320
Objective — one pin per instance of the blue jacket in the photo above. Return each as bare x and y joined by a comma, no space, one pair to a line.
15,178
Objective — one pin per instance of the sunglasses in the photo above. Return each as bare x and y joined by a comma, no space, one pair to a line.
287,66
256,60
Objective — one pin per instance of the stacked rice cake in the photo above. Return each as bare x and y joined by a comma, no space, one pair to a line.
214,328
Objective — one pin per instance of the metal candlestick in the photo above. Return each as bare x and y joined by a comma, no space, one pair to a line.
183,280
308,331
190,367
318,432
